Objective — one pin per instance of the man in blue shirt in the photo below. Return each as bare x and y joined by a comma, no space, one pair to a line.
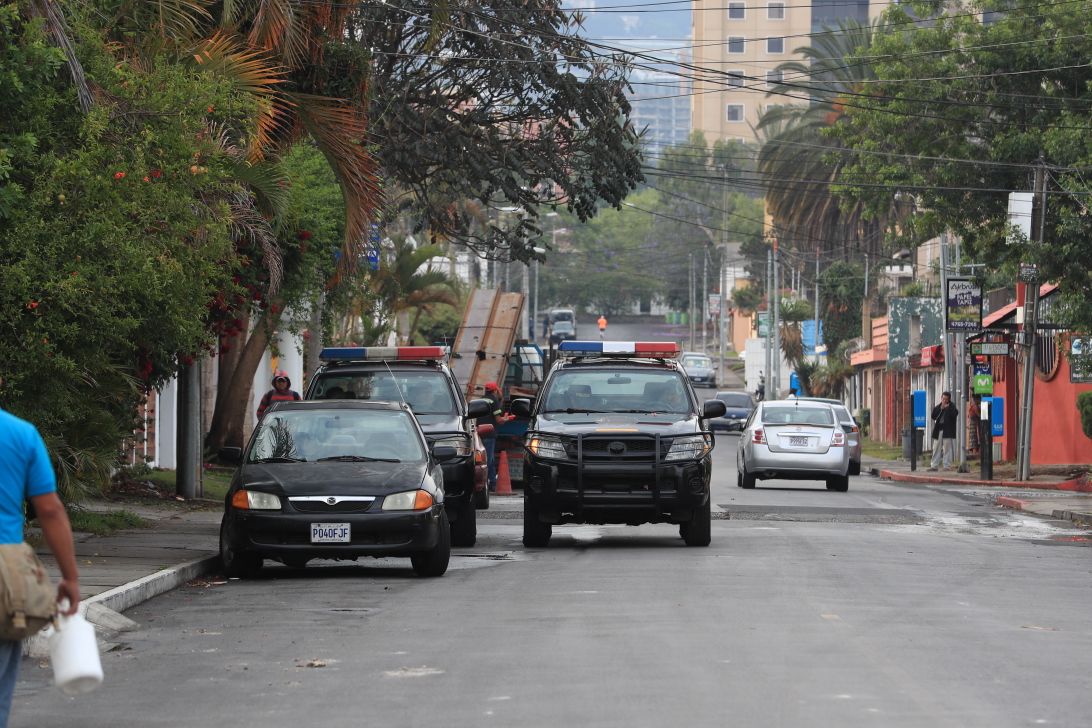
27,474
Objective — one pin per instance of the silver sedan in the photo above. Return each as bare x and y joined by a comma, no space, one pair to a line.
793,439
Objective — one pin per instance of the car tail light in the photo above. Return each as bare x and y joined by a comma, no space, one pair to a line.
854,428
839,440
759,438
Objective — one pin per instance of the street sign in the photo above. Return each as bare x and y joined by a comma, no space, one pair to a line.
990,348
982,381
920,419
1080,360
997,414
963,309
1029,273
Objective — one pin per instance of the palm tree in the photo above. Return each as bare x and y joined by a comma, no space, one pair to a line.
805,161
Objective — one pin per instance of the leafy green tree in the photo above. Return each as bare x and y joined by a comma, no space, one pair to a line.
841,294
115,233
962,111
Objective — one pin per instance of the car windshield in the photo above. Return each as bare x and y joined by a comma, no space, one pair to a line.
558,316
305,435
606,390
563,326
697,362
426,392
741,401
789,415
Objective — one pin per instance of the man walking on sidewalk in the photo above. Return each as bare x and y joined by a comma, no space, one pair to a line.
944,432
26,474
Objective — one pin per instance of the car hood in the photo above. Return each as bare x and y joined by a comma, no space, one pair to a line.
614,423
333,478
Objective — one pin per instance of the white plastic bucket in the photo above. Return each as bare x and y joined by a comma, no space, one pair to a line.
74,652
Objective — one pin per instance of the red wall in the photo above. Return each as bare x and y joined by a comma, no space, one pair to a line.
1056,435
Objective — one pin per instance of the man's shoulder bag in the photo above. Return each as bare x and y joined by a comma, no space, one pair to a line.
28,600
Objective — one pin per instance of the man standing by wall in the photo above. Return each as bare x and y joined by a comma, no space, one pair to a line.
944,432
487,429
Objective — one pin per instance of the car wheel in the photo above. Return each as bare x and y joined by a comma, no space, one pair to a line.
698,532
237,564
481,499
434,561
536,534
739,479
854,467
747,480
464,529
839,483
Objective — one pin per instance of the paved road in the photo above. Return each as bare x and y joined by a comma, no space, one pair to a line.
885,606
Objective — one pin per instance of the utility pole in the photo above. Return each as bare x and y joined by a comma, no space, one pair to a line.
817,305
769,318
187,483
723,318
704,299
960,379
1023,448
690,302
777,319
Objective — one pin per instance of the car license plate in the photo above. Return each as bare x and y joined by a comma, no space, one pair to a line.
798,442
330,533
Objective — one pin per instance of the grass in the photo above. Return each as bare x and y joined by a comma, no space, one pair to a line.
103,523
880,450
216,481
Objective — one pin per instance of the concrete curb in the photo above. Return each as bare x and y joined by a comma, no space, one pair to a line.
1074,485
131,594
1081,518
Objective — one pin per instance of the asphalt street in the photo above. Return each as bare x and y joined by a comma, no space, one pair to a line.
888,605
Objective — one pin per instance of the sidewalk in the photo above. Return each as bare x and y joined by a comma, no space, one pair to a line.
1055,493
128,567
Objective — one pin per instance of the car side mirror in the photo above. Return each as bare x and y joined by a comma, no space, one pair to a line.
444,453
713,408
478,408
521,407
233,455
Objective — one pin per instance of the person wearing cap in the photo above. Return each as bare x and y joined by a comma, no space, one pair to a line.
488,434
282,392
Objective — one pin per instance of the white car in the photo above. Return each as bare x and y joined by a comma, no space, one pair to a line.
793,439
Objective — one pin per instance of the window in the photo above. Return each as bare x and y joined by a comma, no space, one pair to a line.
774,77
735,79
737,11
775,11
735,44
775,45
734,112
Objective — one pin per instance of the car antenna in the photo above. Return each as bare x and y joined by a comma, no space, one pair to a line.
396,386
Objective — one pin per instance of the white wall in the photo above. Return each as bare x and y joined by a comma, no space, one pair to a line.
755,362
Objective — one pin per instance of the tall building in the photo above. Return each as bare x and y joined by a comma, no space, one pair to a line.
740,43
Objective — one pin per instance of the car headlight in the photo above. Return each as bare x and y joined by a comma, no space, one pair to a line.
411,500
255,500
459,442
547,447
691,447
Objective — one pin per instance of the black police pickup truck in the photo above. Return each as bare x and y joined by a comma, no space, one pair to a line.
617,436
418,376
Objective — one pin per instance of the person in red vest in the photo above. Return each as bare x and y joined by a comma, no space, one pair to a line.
282,392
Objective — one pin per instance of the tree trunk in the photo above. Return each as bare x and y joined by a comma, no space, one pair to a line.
226,429
231,348
313,345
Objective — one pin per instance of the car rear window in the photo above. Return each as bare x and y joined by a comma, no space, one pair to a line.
788,415
698,361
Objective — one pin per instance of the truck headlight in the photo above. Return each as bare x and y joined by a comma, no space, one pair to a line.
547,447
690,447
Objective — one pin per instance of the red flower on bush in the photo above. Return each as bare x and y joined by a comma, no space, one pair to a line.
304,235
32,305
156,174
119,175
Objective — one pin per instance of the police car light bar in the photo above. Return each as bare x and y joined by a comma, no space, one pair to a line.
650,349
390,353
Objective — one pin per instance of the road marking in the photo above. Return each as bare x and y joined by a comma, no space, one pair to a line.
423,671
831,617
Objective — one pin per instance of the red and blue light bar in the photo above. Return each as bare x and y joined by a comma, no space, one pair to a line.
649,349
379,353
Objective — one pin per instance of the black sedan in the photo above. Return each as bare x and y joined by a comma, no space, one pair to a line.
738,407
336,480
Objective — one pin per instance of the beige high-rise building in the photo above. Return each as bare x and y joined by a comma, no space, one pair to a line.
740,43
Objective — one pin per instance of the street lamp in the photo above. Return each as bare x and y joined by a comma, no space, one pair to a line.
540,251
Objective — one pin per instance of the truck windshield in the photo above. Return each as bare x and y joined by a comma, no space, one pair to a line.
604,390
426,392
